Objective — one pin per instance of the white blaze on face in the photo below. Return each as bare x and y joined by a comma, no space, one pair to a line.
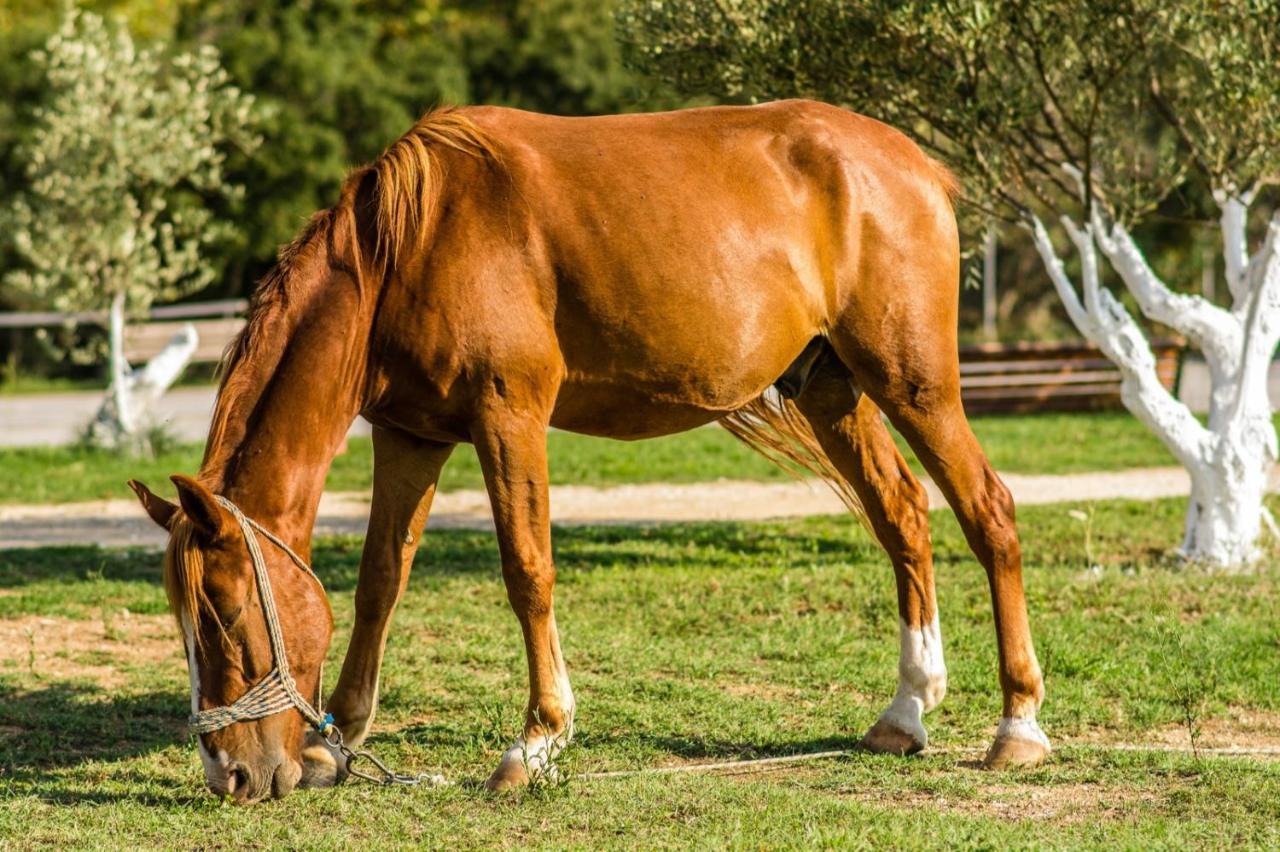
217,770
922,678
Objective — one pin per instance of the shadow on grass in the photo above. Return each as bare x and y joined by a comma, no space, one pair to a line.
655,747
464,552
23,566
694,747
68,724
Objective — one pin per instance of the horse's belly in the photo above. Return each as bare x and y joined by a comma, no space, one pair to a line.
643,361
628,412
662,395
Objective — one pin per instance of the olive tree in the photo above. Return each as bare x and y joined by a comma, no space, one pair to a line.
121,158
1079,122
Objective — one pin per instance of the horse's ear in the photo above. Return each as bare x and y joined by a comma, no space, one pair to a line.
160,509
210,519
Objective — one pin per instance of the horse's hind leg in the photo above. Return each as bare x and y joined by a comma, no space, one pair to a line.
855,438
511,445
907,363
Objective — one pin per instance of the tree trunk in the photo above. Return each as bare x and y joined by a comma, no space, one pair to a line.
125,415
121,387
1229,461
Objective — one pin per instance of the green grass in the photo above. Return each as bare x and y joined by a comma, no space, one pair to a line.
686,642
1048,443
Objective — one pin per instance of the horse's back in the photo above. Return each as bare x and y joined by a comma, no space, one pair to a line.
680,260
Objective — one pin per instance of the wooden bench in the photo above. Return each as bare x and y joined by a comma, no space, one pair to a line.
1029,377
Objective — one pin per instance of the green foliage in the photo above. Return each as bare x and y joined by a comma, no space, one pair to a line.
558,56
123,148
1130,93
345,78
325,70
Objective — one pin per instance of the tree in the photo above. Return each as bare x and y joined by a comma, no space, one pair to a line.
343,78
122,154
1096,117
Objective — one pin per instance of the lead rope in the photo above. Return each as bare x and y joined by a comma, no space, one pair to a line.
278,691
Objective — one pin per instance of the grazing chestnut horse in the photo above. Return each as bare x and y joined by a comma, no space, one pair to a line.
497,272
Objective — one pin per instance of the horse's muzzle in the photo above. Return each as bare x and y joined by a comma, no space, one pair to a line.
247,783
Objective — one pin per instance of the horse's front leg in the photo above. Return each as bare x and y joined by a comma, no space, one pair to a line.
512,450
405,472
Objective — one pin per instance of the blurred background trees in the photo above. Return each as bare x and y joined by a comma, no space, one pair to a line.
338,80
125,148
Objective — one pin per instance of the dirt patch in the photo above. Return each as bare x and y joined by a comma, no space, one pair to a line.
1063,803
1241,728
119,523
766,691
71,649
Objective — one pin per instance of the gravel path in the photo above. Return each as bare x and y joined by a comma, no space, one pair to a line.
121,522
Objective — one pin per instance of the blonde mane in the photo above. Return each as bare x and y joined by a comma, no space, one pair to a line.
406,186
408,176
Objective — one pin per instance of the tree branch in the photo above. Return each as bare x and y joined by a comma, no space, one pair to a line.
1213,330
1262,323
1104,321
1233,222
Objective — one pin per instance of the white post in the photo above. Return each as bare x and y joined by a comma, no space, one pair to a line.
127,405
989,302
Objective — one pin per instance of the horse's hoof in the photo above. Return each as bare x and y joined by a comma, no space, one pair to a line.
1018,743
510,775
321,765
887,738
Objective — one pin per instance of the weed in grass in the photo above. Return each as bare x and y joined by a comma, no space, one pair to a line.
1191,675
110,628
547,773
31,651
1091,563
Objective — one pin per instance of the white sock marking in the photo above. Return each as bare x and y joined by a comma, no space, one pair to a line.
1022,728
922,679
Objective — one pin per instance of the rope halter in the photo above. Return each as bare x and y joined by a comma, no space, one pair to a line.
277,691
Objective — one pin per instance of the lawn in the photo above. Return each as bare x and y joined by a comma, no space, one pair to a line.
686,643
1045,443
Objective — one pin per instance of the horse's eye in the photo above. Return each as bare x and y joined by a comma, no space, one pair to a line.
228,619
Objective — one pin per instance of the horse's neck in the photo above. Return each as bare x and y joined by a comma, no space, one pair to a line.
277,428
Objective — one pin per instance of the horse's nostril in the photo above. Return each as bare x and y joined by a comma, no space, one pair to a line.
239,778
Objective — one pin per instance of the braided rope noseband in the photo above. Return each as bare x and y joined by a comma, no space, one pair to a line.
277,691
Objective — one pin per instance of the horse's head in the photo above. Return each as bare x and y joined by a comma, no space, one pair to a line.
210,580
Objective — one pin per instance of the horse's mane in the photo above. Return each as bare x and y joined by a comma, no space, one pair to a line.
407,177
401,188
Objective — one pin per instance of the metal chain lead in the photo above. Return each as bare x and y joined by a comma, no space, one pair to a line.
278,691
387,777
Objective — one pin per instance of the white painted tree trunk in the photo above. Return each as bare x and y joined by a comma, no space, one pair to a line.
119,391
126,413
1230,458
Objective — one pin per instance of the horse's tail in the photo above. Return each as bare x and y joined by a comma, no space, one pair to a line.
947,180
775,428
